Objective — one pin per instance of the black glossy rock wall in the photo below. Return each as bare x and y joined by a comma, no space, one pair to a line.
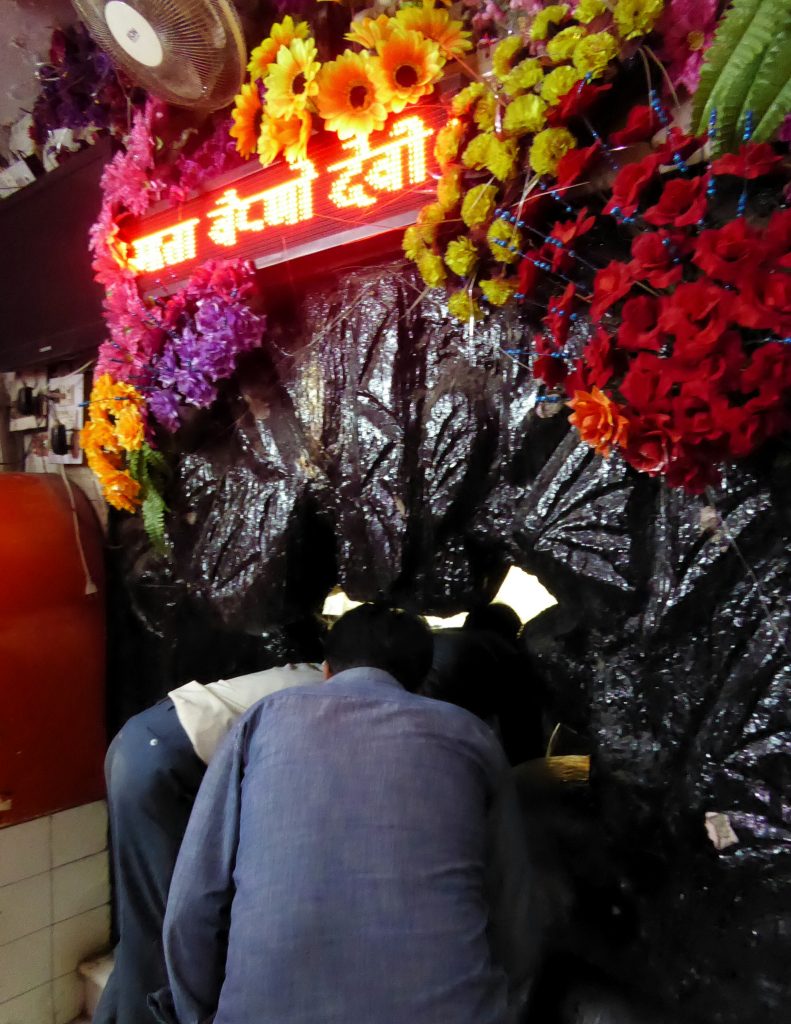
377,444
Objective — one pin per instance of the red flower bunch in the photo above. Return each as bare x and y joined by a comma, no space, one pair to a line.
688,364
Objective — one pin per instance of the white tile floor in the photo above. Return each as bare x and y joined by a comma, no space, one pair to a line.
54,912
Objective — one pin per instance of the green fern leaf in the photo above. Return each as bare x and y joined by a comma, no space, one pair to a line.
730,29
748,50
153,511
775,114
133,460
771,78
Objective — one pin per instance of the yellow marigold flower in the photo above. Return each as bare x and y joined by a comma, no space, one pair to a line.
407,67
562,46
498,290
485,111
288,135
504,54
545,19
462,306
594,53
291,80
525,114
449,35
500,231
431,214
349,99
462,102
449,187
478,205
281,34
558,82
129,428
246,116
548,148
431,269
524,76
446,147
412,243
371,32
486,151
461,256
587,10
636,17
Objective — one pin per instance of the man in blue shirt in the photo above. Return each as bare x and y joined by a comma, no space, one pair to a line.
355,855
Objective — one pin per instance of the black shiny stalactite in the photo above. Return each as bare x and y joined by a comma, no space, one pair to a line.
378,444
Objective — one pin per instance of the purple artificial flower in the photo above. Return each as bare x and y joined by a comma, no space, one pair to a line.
164,407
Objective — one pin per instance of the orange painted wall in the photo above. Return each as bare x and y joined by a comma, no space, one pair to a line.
52,649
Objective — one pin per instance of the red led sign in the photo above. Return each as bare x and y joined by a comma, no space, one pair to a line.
343,192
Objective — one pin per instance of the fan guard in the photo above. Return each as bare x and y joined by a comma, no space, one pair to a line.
188,52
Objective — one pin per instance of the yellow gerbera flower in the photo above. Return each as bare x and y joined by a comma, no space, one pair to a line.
291,80
558,82
525,114
505,241
504,54
548,148
498,290
407,66
593,54
545,19
288,135
246,116
462,102
587,10
461,256
478,206
449,35
371,32
349,99
462,306
446,147
636,17
562,46
486,151
525,75
281,34
431,268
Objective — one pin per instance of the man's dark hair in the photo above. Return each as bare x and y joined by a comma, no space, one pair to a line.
376,636
495,618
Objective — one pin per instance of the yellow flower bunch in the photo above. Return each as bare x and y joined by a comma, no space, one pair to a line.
636,17
115,427
478,206
498,290
463,306
488,152
461,256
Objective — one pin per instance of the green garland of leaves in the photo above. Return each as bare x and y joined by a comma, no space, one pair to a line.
150,469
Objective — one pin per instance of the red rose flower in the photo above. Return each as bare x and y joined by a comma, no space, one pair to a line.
754,160
678,143
694,466
528,274
681,204
700,411
764,302
630,183
646,385
651,439
726,253
653,255
696,314
549,366
567,232
769,371
558,320
575,163
777,236
639,328
610,284
575,103
746,431
601,360
641,125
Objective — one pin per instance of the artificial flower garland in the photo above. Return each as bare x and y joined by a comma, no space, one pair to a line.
393,63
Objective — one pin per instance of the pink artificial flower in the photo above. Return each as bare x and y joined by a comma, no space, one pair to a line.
686,29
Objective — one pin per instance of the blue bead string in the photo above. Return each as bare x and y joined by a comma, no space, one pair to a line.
746,136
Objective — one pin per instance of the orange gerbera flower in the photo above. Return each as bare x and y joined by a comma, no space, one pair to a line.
370,32
281,34
291,80
349,98
407,67
599,421
289,135
437,24
246,116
